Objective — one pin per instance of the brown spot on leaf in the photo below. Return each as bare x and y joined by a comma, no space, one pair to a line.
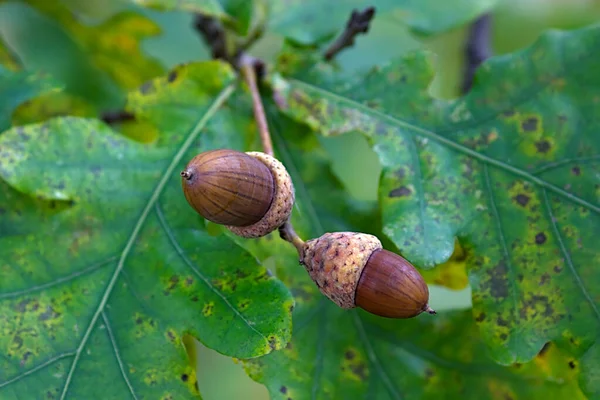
283,389
496,283
576,171
530,124
522,199
545,278
572,364
272,342
349,355
172,76
501,321
540,238
557,269
359,370
147,88
508,113
480,317
544,349
184,377
400,192
543,146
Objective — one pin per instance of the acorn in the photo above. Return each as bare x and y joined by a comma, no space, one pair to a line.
250,193
353,270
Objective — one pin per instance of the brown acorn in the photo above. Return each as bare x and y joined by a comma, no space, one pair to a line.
250,193
353,270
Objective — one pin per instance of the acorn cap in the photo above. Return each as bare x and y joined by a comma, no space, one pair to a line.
335,262
352,269
282,204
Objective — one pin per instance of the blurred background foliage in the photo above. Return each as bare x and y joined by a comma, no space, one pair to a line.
61,37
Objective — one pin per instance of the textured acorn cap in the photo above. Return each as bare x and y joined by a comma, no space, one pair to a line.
281,206
335,262
353,270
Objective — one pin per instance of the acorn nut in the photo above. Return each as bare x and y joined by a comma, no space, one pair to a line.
250,193
353,270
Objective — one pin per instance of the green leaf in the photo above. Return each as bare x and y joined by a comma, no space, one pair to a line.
510,170
111,267
18,87
207,7
590,380
313,21
7,59
106,57
242,12
337,354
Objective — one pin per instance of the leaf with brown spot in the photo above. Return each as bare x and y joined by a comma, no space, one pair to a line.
513,203
97,243
349,354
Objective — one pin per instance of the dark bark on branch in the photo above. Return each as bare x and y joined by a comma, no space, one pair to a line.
213,34
477,49
358,23
113,117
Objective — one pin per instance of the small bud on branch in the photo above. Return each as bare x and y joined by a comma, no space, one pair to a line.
358,23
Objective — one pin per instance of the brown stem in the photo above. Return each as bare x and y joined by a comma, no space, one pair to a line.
478,49
287,233
248,69
357,23
214,36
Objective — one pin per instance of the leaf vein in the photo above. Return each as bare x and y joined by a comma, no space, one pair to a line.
566,161
37,368
510,267
58,281
320,354
117,355
190,264
567,256
417,164
221,98
451,144
373,358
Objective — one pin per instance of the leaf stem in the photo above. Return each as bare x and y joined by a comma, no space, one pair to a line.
248,67
287,233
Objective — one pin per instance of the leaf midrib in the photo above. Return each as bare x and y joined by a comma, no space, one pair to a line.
449,143
220,99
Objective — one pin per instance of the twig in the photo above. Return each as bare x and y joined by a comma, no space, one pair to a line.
357,23
287,233
250,67
116,116
214,36
477,49
249,70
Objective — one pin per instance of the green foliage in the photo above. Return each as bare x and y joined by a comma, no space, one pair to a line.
18,87
109,285
326,18
504,169
106,273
